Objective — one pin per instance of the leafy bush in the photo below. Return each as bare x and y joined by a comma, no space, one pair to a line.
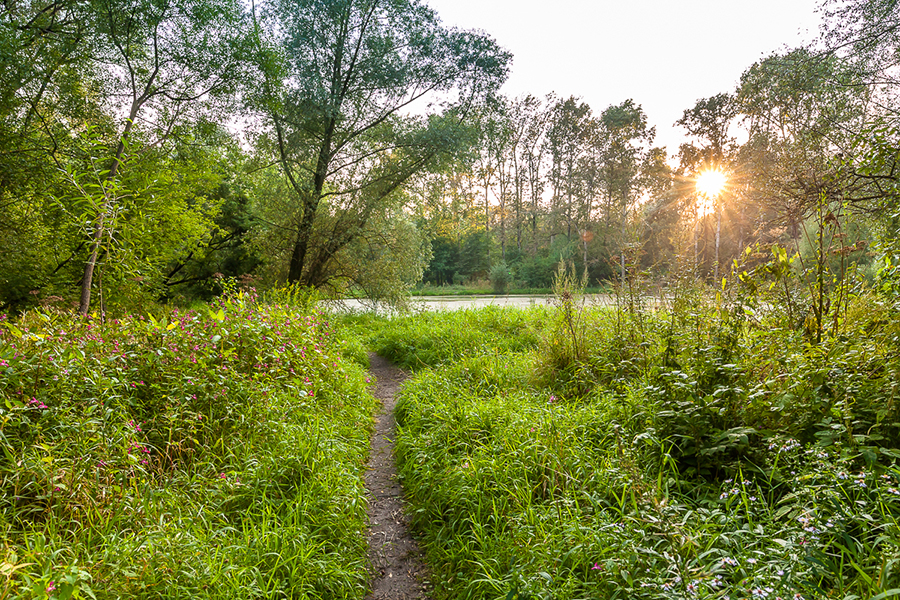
501,278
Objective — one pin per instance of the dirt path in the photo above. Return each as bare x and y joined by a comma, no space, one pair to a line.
396,567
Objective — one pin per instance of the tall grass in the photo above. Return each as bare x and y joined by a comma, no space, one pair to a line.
202,454
703,452
429,338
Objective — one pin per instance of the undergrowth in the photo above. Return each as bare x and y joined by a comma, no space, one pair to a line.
705,450
201,454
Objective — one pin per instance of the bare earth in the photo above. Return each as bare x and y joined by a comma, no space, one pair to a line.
396,566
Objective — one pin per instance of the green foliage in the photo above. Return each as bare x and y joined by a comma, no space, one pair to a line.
430,339
202,454
700,450
501,278
339,129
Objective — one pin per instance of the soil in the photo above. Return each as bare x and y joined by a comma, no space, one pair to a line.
395,560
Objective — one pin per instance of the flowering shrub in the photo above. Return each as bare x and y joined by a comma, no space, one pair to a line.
146,454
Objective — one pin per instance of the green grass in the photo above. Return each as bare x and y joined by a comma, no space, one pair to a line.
210,454
563,451
431,338
685,455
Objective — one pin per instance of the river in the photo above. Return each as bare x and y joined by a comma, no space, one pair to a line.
461,302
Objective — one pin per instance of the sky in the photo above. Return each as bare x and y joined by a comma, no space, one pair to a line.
663,54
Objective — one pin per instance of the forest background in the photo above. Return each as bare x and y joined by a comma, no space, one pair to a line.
151,150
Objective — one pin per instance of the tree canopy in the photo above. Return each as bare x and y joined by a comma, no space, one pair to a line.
151,149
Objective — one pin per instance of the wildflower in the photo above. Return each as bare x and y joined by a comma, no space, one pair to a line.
729,561
51,586
596,567
552,399
731,492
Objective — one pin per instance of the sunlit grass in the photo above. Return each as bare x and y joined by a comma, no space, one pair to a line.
633,477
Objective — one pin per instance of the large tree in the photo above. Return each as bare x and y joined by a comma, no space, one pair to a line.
164,61
366,94
623,144
106,103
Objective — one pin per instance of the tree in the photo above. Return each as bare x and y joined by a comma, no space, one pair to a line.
567,139
106,93
709,121
340,107
169,59
801,113
623,142
865,35
43,54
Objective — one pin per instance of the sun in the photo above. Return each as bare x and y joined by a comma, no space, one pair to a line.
711,183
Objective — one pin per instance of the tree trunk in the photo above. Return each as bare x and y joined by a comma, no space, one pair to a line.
718,235
87,280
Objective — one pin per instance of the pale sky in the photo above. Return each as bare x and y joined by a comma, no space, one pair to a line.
664,54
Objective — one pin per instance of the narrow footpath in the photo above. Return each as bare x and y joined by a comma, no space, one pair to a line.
397,570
